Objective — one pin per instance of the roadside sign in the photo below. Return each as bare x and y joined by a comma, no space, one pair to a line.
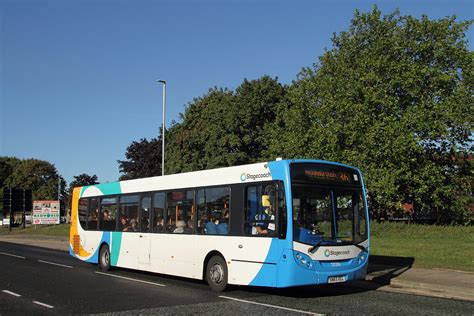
45,212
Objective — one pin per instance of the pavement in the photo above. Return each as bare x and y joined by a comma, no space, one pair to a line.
390,274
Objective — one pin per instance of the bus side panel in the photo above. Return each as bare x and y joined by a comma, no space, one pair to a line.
184,255
124,250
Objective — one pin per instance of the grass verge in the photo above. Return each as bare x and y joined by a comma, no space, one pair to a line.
48,230
448,247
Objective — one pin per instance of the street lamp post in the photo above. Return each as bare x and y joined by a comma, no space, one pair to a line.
163,136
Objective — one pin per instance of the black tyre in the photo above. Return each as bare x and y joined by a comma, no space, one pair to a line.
216,274
104,258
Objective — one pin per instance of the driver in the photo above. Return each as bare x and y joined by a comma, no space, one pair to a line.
266,220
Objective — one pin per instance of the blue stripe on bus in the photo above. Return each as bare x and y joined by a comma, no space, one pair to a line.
115,249
267,274
105,188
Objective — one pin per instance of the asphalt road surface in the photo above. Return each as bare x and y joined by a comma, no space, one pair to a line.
44,281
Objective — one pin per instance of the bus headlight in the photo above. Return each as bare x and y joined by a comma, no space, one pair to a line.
303,260
362,257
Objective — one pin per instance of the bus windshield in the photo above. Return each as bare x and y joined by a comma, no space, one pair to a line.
328,205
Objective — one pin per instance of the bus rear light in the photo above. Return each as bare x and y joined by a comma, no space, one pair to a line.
76,244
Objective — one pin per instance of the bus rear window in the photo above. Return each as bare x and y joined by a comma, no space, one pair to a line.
83,206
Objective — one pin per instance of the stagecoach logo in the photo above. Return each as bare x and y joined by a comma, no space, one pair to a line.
328,253
244,176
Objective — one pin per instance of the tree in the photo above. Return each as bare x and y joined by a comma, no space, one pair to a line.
38,175
143,159
7,164
79,181
224,128
393,96
83,180
204,139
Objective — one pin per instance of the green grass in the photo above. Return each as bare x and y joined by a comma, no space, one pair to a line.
448,247
48,230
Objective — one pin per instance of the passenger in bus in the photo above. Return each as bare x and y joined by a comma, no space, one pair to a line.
211,226
145,225
171,225
189,229
180,225
134,225
124,222
159,225
223,227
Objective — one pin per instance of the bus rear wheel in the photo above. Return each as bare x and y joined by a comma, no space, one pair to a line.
216,274
104,258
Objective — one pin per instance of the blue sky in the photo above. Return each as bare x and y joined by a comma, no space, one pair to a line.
78,78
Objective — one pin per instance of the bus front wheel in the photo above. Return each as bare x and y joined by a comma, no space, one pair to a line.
104,258
216,274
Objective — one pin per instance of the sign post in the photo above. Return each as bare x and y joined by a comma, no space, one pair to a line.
16,200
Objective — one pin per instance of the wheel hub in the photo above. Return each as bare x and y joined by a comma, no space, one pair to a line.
217,273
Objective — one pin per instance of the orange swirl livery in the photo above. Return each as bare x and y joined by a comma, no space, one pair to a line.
75,246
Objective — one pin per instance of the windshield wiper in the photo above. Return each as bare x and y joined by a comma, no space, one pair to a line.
361,247
313,249
316,246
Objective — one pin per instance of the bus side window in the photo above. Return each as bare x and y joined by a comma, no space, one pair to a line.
180,205
129,213
158,224
108,214
145,214
213,211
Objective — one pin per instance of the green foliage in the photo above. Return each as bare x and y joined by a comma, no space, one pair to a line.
224,128
79,181
394,97
7,164
143,159
82,180
38,175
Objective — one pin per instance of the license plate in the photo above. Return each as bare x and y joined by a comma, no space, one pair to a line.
336,279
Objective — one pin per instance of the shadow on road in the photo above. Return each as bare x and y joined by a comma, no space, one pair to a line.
384,268
381,270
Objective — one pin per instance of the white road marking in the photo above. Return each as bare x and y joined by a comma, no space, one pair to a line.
130,279
55,264
11,293
43,304
12,255
272,306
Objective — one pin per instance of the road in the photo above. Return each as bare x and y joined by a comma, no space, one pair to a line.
43,281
